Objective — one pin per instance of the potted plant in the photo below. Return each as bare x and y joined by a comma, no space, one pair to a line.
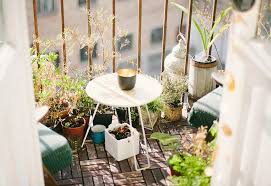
74,129
203,64
190,159
171,97
122,141
154,109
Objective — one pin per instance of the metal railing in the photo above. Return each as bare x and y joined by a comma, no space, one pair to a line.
139,33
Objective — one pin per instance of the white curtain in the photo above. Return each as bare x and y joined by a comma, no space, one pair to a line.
244,144
20,159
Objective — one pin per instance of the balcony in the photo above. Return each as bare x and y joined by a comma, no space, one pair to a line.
135,92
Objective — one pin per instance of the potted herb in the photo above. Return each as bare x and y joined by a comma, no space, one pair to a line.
74,129
154,109
203,64
171,97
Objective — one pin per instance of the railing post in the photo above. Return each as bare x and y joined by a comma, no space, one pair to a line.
139,34
36,29
181,24
89,36
188,33
164,39
213,21
114,34
63,38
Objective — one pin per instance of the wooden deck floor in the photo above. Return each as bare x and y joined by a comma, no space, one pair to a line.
93,166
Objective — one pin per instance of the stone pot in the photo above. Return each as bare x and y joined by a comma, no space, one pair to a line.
200,80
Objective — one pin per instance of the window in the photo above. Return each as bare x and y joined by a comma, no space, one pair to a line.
84,53
57,62
83,2
125,43
157,35
46,6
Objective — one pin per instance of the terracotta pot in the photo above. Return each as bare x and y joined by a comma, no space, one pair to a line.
172,113
64,113
75,135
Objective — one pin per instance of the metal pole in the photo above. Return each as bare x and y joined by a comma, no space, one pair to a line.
164,40
63,37
114,34
188,33
139,34
89,36
181,25
213,21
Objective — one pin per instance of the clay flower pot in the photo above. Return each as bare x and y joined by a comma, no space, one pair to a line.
75,135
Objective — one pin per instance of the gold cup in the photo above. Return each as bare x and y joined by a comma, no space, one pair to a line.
126,78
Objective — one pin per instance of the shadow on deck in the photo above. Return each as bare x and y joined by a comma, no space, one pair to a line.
93,166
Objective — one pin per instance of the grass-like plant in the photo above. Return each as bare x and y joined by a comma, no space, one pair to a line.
208,34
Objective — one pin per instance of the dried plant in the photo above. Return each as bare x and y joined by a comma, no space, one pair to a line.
100,21
173,90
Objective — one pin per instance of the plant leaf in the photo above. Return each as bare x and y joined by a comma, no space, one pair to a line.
217,35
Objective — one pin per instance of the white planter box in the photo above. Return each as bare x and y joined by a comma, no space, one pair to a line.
124,148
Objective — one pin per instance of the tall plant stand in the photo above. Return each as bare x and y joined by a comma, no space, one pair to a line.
105,90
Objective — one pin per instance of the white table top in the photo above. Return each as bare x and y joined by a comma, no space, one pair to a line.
105,90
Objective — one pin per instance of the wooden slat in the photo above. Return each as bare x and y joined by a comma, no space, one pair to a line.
213,21
139,34
164,40
124,166
158,176
36,28
63,37
100,151
148,176
188,33
114,35
89,36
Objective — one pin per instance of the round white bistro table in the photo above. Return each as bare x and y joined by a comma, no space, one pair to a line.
105,90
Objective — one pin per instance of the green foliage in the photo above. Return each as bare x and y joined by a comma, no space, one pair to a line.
213,132
168,142
134,115
191,170
155,106
208,36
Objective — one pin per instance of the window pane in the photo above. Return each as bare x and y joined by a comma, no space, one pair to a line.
84,53
157,35
125,43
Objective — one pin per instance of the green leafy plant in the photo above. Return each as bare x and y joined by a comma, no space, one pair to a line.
155,106
168,142
191,170
208,35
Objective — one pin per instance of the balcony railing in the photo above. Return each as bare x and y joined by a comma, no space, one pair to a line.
139,32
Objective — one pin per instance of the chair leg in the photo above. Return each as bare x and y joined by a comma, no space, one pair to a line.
48,178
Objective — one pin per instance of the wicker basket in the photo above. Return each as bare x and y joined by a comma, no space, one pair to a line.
172,114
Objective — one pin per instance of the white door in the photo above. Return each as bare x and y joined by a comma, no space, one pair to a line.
244,144
20,158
